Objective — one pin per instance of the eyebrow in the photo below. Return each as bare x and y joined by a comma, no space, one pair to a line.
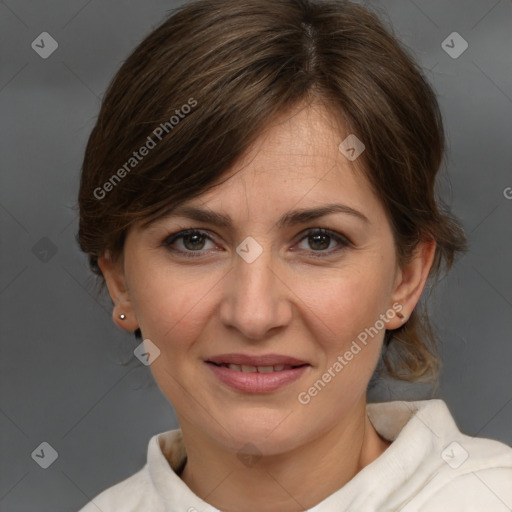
289,219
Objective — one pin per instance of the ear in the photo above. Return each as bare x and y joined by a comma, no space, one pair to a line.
113,272
410,282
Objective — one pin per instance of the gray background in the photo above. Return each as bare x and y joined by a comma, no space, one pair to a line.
67,375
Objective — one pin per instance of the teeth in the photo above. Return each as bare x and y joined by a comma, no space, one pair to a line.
260,369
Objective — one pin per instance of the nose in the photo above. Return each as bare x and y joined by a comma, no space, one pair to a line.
256,299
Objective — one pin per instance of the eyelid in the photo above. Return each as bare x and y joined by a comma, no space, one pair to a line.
325,231
176,235
342,240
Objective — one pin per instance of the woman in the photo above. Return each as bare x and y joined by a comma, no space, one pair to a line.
258,196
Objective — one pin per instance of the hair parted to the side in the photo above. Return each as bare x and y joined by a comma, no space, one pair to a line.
243,63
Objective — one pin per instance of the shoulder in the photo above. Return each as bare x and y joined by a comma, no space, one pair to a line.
466,473
477,476
129,495
155,483
472,490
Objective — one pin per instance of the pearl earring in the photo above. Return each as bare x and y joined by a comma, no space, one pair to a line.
122,316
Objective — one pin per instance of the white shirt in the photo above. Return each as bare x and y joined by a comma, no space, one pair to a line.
429,467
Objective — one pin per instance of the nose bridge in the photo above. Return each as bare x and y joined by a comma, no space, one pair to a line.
255,274
255,300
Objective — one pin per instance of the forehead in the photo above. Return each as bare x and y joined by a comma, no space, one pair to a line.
292,172
297,158
305,137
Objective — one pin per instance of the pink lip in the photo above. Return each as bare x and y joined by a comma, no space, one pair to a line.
256,382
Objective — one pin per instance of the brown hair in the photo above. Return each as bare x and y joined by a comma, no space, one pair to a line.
201,88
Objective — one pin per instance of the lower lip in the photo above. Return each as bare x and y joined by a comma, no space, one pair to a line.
256,382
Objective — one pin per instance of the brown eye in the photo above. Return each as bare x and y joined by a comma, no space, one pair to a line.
188,241
319,242
194,241
323,241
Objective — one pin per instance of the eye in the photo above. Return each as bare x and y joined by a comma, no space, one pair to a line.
321,240
188,241
195,243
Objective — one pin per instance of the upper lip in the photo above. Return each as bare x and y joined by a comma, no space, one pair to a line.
262,360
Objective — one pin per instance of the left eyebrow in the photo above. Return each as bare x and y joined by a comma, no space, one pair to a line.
306,215
289,219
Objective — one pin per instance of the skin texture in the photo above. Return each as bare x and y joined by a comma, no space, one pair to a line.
288,301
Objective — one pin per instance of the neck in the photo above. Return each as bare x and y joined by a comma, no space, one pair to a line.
289,482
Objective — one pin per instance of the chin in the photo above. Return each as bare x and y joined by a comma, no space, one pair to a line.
261,431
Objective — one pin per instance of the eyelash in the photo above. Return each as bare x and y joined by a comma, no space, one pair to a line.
342,241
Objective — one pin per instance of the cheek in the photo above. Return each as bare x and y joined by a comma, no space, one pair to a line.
171,309
344,313
348,300
170,305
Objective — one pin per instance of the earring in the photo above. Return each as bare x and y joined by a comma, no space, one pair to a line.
122,316
399,315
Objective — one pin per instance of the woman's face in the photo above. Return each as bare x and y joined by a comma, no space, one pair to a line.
261,282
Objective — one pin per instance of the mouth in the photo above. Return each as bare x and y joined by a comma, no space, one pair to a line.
256,374
245,368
